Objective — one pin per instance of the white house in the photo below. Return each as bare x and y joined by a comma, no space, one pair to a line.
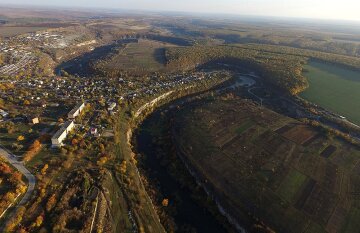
3,113
61,134
76,111
93,131
111,106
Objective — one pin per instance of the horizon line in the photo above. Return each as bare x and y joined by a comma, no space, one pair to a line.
93,9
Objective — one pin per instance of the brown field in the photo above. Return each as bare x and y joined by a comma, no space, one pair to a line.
328,151
144,56
283,181
8,31
300,134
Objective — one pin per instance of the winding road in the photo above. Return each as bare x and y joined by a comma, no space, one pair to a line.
11,158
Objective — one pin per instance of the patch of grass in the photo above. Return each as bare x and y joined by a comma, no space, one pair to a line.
315,228
22,129
244,126
291,184
352,224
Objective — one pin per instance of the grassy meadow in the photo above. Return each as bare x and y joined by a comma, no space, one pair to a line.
146,55
334,88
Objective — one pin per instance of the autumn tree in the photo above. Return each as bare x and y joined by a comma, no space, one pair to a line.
10,127
33,150
38,221
16,177
4,168
123,167
51,202
44,169
15,220
165,202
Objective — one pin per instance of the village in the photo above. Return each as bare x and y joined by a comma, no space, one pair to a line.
55,106
24,54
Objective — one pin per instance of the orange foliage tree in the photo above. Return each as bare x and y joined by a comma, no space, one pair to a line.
33,150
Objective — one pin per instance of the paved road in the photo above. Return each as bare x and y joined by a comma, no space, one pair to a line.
21,168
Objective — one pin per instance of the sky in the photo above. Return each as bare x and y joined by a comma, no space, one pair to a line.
320,9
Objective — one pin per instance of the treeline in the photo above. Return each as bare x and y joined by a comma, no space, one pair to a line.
12,185
344,46
347,61
170,39
283,71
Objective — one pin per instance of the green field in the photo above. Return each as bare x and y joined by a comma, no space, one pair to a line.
334,88
291,185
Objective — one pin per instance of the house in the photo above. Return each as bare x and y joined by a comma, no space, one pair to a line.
54,105
76,111
3,113
93,131
61,134
111,106
33,120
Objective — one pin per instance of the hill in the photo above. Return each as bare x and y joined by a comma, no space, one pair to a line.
285,175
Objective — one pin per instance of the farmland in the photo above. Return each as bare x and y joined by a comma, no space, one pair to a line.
7,31
140,57
189,124
284,173
334,88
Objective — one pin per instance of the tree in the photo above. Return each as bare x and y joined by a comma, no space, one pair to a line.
39,220
74,141
165,202
22,230
123,167
10,127
102,147
26,102
43,170
15,219
16,177
4,168
9,196
33,150
51,202
21,188
20,138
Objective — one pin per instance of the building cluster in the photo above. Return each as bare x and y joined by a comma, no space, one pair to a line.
20,58
19,50
3,114
61,134
76,111
42,91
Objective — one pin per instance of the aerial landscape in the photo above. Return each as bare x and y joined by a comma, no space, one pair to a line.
182,116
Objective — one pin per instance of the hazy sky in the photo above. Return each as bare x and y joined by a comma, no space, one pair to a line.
328,9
